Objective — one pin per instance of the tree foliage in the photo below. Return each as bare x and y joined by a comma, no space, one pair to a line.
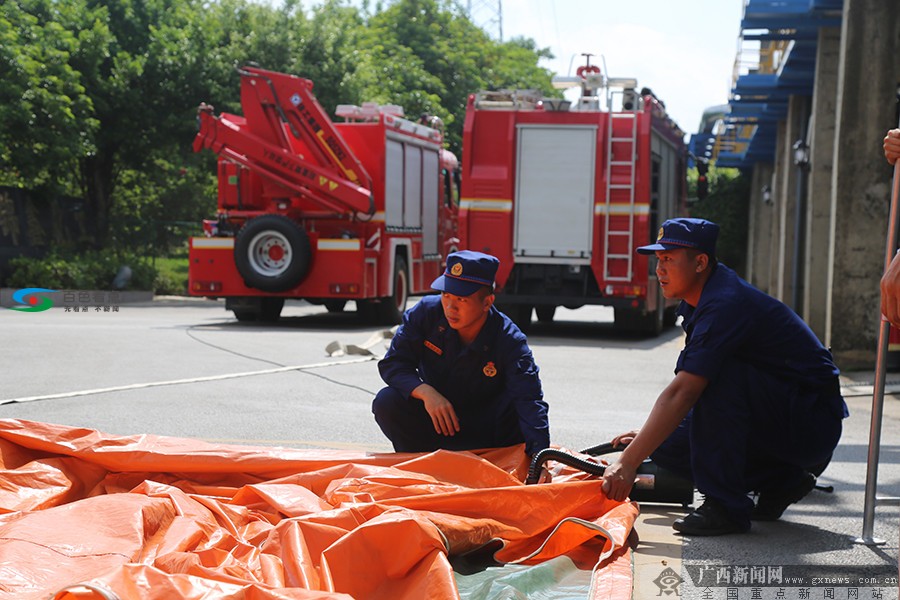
99,98
728,206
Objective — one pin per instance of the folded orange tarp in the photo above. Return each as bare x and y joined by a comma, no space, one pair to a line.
89,515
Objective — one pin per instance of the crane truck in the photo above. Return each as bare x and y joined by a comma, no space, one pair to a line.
361,210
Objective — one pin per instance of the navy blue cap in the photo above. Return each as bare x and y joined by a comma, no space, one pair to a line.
466,273
699,234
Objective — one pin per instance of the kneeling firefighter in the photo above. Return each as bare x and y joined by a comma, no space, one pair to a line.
755,405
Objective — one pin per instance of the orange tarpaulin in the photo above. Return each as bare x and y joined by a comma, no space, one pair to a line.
89,515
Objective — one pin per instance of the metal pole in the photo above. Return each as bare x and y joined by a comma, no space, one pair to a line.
878,392
801,160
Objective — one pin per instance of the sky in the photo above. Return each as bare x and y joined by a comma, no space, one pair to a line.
684,50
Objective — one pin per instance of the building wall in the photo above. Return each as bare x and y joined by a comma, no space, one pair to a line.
868,75
817,276
846,198
759,237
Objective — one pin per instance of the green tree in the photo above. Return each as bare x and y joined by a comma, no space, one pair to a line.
99,98
47,119
728,205
427,56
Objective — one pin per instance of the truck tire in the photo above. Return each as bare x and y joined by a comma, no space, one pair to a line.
520,314
335,306
545,312
258,309
270,310
391,308
272,253
651,323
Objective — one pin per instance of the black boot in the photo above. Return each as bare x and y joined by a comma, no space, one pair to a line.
710,519
771,505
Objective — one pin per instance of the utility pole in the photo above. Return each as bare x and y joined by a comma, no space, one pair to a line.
487,14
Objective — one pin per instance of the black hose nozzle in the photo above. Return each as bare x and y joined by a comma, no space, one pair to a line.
534,471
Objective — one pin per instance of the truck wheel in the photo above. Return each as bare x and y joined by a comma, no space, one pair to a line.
245,315
270,309
545,312
520,315
632,320
670,317
255,309
391,308
335,306
272,253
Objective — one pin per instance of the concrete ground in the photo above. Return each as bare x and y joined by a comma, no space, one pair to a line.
186,368
813,550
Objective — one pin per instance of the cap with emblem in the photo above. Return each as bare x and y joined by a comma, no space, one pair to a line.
466,273
699,234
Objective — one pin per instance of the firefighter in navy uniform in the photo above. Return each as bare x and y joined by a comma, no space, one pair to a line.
460,374
755,405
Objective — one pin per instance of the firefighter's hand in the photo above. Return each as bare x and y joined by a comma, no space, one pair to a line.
439,409
618,479
623,439
890,292
892,145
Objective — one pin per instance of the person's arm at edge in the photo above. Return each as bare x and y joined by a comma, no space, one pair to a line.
669,410
890,291
892,145
890,281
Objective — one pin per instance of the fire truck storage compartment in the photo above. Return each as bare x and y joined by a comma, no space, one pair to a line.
412,187
554,193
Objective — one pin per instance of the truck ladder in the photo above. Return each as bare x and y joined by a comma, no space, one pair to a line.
621,141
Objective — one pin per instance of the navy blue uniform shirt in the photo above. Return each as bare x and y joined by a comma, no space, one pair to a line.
734,319
496,373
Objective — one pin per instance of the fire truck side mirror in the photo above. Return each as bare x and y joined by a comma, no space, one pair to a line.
702,181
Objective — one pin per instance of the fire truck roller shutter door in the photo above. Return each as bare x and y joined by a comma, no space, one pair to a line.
272,253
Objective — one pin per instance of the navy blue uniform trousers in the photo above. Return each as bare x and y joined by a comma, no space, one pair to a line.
750,431
409,427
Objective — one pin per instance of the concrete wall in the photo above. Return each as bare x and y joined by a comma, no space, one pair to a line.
820,210
845,207
762,215
788,201
869,70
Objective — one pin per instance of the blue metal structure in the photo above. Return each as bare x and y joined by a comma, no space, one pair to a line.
787,33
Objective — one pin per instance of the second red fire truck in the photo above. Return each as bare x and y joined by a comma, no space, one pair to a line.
563,194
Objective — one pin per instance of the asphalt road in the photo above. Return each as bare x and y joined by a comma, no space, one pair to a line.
186,368
197,372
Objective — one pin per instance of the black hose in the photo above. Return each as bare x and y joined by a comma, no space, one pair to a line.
537,462
600,449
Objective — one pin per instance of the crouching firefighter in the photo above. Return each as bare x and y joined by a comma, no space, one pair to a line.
459,373
755,405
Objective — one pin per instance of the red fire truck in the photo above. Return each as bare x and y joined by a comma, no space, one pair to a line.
361,210
564,191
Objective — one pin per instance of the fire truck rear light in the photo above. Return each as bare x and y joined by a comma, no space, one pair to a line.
626,291
207,286
344,288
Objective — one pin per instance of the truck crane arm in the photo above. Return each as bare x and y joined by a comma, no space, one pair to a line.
258,141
